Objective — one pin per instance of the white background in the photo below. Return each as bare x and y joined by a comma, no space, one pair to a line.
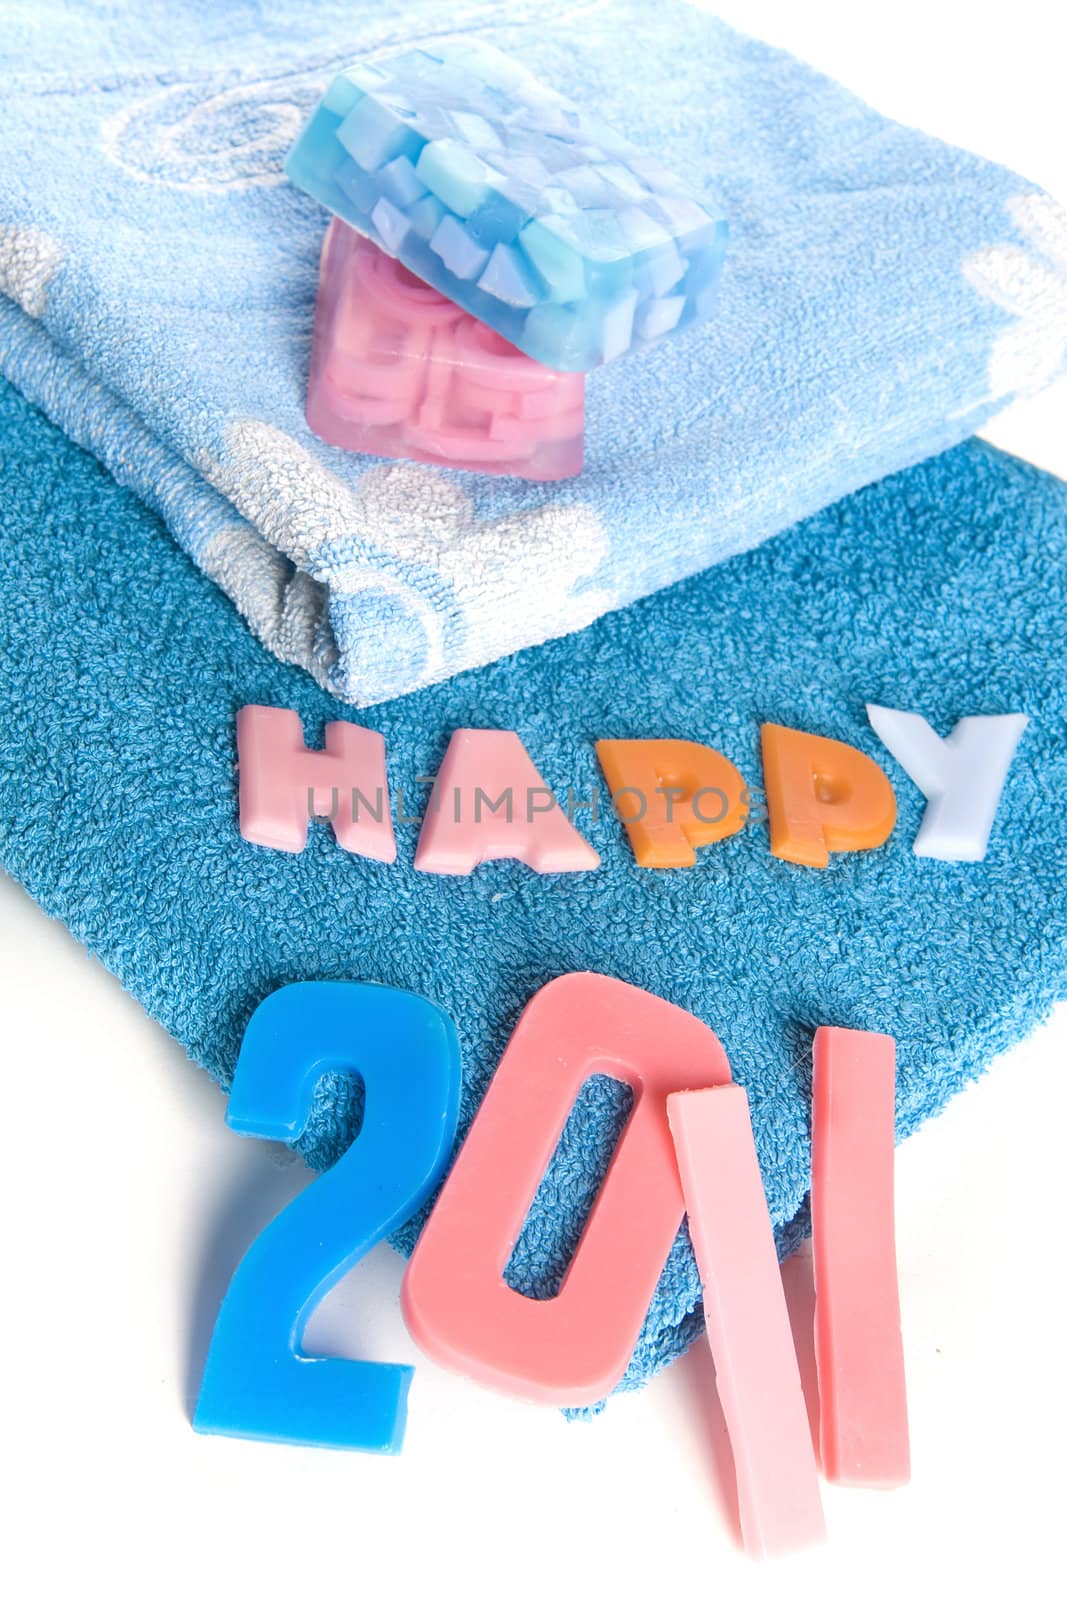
128,1204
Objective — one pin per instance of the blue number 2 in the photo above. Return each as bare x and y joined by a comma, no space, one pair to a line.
257,1384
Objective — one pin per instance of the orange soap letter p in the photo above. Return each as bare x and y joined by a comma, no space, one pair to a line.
672,795
822,796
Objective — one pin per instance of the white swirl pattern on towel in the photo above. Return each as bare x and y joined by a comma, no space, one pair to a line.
1031,286
209,139
28,260
215,135
455,583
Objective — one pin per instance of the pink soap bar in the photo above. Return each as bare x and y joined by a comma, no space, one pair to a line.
756,1370
398,370
574,1348
858,1349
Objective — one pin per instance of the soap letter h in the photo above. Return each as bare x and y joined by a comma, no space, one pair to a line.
283,784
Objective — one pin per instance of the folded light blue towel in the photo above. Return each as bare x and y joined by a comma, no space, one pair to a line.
941,590
883,295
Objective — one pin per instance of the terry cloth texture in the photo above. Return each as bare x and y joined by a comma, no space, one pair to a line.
883,295
941,590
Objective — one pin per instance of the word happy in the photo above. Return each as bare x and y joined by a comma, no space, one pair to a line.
673,796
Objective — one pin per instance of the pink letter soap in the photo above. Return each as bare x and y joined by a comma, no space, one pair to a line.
745,1312
283,784
573,1349
858,1349
397,370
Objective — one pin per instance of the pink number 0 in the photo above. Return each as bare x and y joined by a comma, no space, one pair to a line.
571,1350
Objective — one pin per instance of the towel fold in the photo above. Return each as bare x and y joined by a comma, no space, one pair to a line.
942,590
883,295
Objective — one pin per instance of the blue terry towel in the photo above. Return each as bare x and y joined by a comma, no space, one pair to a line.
883,295
941,590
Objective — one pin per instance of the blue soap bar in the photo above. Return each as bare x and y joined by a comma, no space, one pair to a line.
555,231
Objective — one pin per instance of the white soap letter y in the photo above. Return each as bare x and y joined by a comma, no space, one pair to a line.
962,776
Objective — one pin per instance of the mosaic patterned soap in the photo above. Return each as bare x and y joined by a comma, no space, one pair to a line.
556,232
